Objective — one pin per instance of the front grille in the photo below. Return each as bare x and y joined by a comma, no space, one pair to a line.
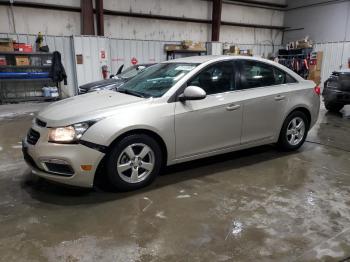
40,123
33,136
62,169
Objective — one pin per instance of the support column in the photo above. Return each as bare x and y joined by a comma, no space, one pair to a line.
216,20
99,17
87,17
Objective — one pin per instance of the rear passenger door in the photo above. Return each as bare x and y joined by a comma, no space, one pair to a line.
264,89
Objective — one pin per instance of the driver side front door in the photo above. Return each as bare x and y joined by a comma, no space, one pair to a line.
214,123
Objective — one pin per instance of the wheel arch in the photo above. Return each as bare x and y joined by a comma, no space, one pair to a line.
301,108
143,131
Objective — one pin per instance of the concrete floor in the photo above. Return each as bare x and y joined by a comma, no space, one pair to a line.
253,205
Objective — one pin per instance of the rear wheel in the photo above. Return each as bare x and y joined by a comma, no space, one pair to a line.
294,131
333,107
134,162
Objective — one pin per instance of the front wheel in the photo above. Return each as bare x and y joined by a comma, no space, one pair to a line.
134,162
294,131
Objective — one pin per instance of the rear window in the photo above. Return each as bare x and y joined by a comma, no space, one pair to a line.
257,74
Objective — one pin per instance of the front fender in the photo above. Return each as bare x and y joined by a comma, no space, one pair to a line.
158,118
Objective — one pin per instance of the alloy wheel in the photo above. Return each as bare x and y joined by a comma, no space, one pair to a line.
135,163
295,131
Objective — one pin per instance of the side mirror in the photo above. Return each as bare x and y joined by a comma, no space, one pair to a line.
192,93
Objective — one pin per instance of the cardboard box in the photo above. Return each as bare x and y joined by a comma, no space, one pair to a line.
3,61
172,47
6,45
319,58
22,60
315,76
21,47
186,43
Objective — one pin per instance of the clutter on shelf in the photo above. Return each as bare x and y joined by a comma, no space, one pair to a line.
21,62
187,47
300,57
229,49
300,44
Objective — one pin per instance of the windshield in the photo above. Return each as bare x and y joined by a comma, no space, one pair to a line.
157,79
131,71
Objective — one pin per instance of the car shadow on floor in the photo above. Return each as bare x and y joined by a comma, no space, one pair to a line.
53,193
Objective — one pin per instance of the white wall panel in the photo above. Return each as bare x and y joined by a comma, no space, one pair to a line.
90,48
251,15
122,51
33,20
328,22
247,35
335,56
181,8
153,29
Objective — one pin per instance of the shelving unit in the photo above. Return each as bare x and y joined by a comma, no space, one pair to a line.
24,82
171,54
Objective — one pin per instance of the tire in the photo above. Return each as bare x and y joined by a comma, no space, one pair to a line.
292,136
333,107
134,162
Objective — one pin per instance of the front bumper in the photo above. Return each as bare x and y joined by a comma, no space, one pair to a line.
74,155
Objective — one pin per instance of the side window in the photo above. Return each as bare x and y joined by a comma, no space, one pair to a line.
256,74
280,76
215,79
290,79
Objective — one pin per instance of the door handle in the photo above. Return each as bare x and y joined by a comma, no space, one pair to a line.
279,98
233,107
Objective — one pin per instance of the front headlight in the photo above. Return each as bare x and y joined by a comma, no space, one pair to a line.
69,134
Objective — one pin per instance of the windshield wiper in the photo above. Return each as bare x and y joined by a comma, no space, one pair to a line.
130,92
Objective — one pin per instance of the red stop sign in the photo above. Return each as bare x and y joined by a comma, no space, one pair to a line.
134,61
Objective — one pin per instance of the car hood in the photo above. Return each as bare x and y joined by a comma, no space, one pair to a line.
85,107
103,83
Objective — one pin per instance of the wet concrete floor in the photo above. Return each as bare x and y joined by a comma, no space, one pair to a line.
254,205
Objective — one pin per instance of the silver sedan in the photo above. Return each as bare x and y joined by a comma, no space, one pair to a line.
173,112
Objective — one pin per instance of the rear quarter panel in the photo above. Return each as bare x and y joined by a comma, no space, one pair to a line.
303,95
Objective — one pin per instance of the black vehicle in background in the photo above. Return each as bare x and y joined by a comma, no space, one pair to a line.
336,92
115,81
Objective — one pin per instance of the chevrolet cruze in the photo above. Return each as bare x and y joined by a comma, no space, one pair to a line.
173,112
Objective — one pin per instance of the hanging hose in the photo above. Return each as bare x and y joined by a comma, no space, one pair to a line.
12,16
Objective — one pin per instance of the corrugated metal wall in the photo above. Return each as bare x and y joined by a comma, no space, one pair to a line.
335,56
63,44
91,49
117,52
122,51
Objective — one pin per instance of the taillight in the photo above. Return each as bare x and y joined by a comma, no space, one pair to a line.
317,90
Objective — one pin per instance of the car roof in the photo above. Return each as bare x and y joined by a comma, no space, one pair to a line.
207,58
217,58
